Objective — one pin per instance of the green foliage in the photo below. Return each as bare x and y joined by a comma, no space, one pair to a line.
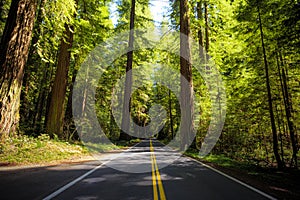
40,150
220,159
90,24
143,17
55,15
247,133
4,9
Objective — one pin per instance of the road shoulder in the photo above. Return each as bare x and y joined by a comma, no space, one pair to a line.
282,185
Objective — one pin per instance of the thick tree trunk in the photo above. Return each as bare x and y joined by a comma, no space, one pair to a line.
270,101
14,49
55,114
125,126
186,91
33,63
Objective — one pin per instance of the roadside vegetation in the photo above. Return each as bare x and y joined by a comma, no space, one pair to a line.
23,149
27,150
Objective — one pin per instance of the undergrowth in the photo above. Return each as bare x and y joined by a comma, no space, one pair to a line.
22,149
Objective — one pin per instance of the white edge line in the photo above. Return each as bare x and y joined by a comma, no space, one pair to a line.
67,186
236,180
70,184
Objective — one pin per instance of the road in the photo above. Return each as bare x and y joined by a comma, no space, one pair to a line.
144,172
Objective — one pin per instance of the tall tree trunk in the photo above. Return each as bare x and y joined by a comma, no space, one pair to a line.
281,63
186,91
14,49
280,115
200,33
33,63
41,101
200,39
280,133
125,126
68,118
270,101
288,111
69,114
170,115
206,57
55,118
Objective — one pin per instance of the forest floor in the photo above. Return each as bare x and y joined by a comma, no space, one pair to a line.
281,184
23,151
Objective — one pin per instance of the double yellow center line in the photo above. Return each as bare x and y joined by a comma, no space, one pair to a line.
156,179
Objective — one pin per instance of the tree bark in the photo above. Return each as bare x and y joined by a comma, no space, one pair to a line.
270,101
125,126
55,117
14,49
186,90
33,63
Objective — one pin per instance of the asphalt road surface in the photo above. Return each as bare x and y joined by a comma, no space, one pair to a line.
146,171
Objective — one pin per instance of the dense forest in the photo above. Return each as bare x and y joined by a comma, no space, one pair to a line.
254,44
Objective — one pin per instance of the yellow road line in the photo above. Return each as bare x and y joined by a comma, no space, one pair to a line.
160,185
155,194
156,177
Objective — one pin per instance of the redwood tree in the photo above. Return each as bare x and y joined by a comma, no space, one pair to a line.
55,117
186,91
14,49
125,126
